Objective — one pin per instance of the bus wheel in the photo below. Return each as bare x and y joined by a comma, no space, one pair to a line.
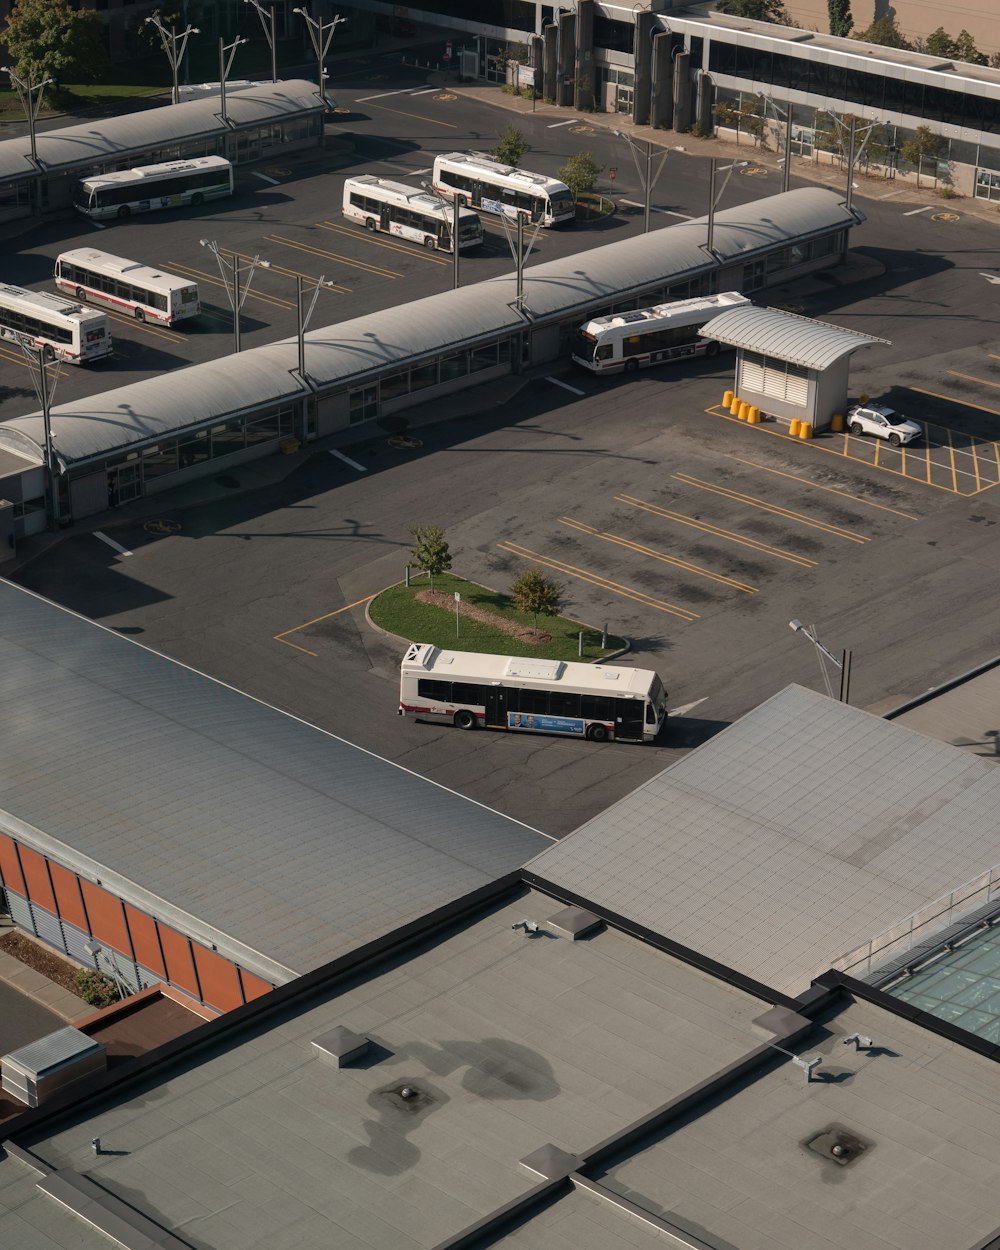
197,199
80,294
631,365
371,224
598,733
430,242
124,211
465,720
712,349
139,315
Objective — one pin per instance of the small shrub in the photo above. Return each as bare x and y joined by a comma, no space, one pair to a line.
948,193
696,131
96,989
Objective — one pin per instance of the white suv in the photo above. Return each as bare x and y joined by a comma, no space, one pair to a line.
883,423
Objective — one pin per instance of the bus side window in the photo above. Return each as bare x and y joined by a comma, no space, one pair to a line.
605,352
534,701
564,704
428,688
466,692
596,707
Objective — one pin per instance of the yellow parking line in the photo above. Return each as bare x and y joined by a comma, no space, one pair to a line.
274,300
283,636
832,489
435,121
603,583
969,377
952,400
643,550
954,473
160,331
344,260
413,249
755,544
296,273
775,509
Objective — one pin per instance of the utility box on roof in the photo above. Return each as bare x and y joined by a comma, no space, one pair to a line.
40,1069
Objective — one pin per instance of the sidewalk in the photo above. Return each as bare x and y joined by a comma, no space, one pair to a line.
39,988
803,168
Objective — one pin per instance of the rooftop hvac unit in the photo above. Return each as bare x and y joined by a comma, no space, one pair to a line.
40,1069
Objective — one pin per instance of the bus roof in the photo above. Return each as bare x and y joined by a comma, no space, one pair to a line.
45,300
713,304
104,262
482,160
416,197
476,666
141,172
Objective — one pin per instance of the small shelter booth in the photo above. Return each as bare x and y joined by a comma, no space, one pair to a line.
790,367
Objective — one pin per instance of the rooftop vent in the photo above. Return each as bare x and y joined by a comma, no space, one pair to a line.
839,1145
341,1045
38,1070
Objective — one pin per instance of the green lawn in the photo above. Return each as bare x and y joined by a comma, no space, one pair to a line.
82,95
398,611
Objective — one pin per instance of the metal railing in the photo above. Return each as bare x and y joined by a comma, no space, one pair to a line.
895,942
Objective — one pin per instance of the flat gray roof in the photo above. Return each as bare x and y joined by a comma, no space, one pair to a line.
786,336
669,1102
263,377
512,1042
788,840
967,715
741,1174
243,826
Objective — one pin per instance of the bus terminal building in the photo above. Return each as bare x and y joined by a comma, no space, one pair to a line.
157,433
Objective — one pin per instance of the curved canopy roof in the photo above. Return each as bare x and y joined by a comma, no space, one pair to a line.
787,336
110,139
574,286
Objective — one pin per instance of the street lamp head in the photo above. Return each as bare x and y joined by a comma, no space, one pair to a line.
264,264
206,243
795,626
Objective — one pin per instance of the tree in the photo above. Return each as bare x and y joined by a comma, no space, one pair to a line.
580,173
757,10
885,33
533,592
431,554
177,14
510,147
841,20
922,145
47,39
966,50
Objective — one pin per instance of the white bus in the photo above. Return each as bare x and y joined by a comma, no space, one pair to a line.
471,691
66,331
650,336
408,213
148,294
149,187
503,189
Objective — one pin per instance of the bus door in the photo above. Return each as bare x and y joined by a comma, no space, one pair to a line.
383,217
496,706
477,194
628,718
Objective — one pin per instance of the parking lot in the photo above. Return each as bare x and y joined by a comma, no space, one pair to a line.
695,535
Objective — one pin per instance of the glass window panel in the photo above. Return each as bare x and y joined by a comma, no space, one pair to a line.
394,385
456,366
159,460
424,375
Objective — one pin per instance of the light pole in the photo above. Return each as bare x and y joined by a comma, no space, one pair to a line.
170,39
713,197
225,66
320,33
267,22
785,116
456,210
45,388
645,171
303,319
229,263
30,96
844,664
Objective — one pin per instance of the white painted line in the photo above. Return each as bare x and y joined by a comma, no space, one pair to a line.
98,225
556,125
424,91
265,178
687,707
565,385
347,460
928,208
123,551
990,277
654,209
402,91
413,173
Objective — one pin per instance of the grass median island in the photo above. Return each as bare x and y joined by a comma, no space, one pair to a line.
488,621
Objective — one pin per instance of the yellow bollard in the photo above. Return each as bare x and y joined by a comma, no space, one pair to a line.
753,416
837,423
727,399
794,428
744,411
734,407
805,430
